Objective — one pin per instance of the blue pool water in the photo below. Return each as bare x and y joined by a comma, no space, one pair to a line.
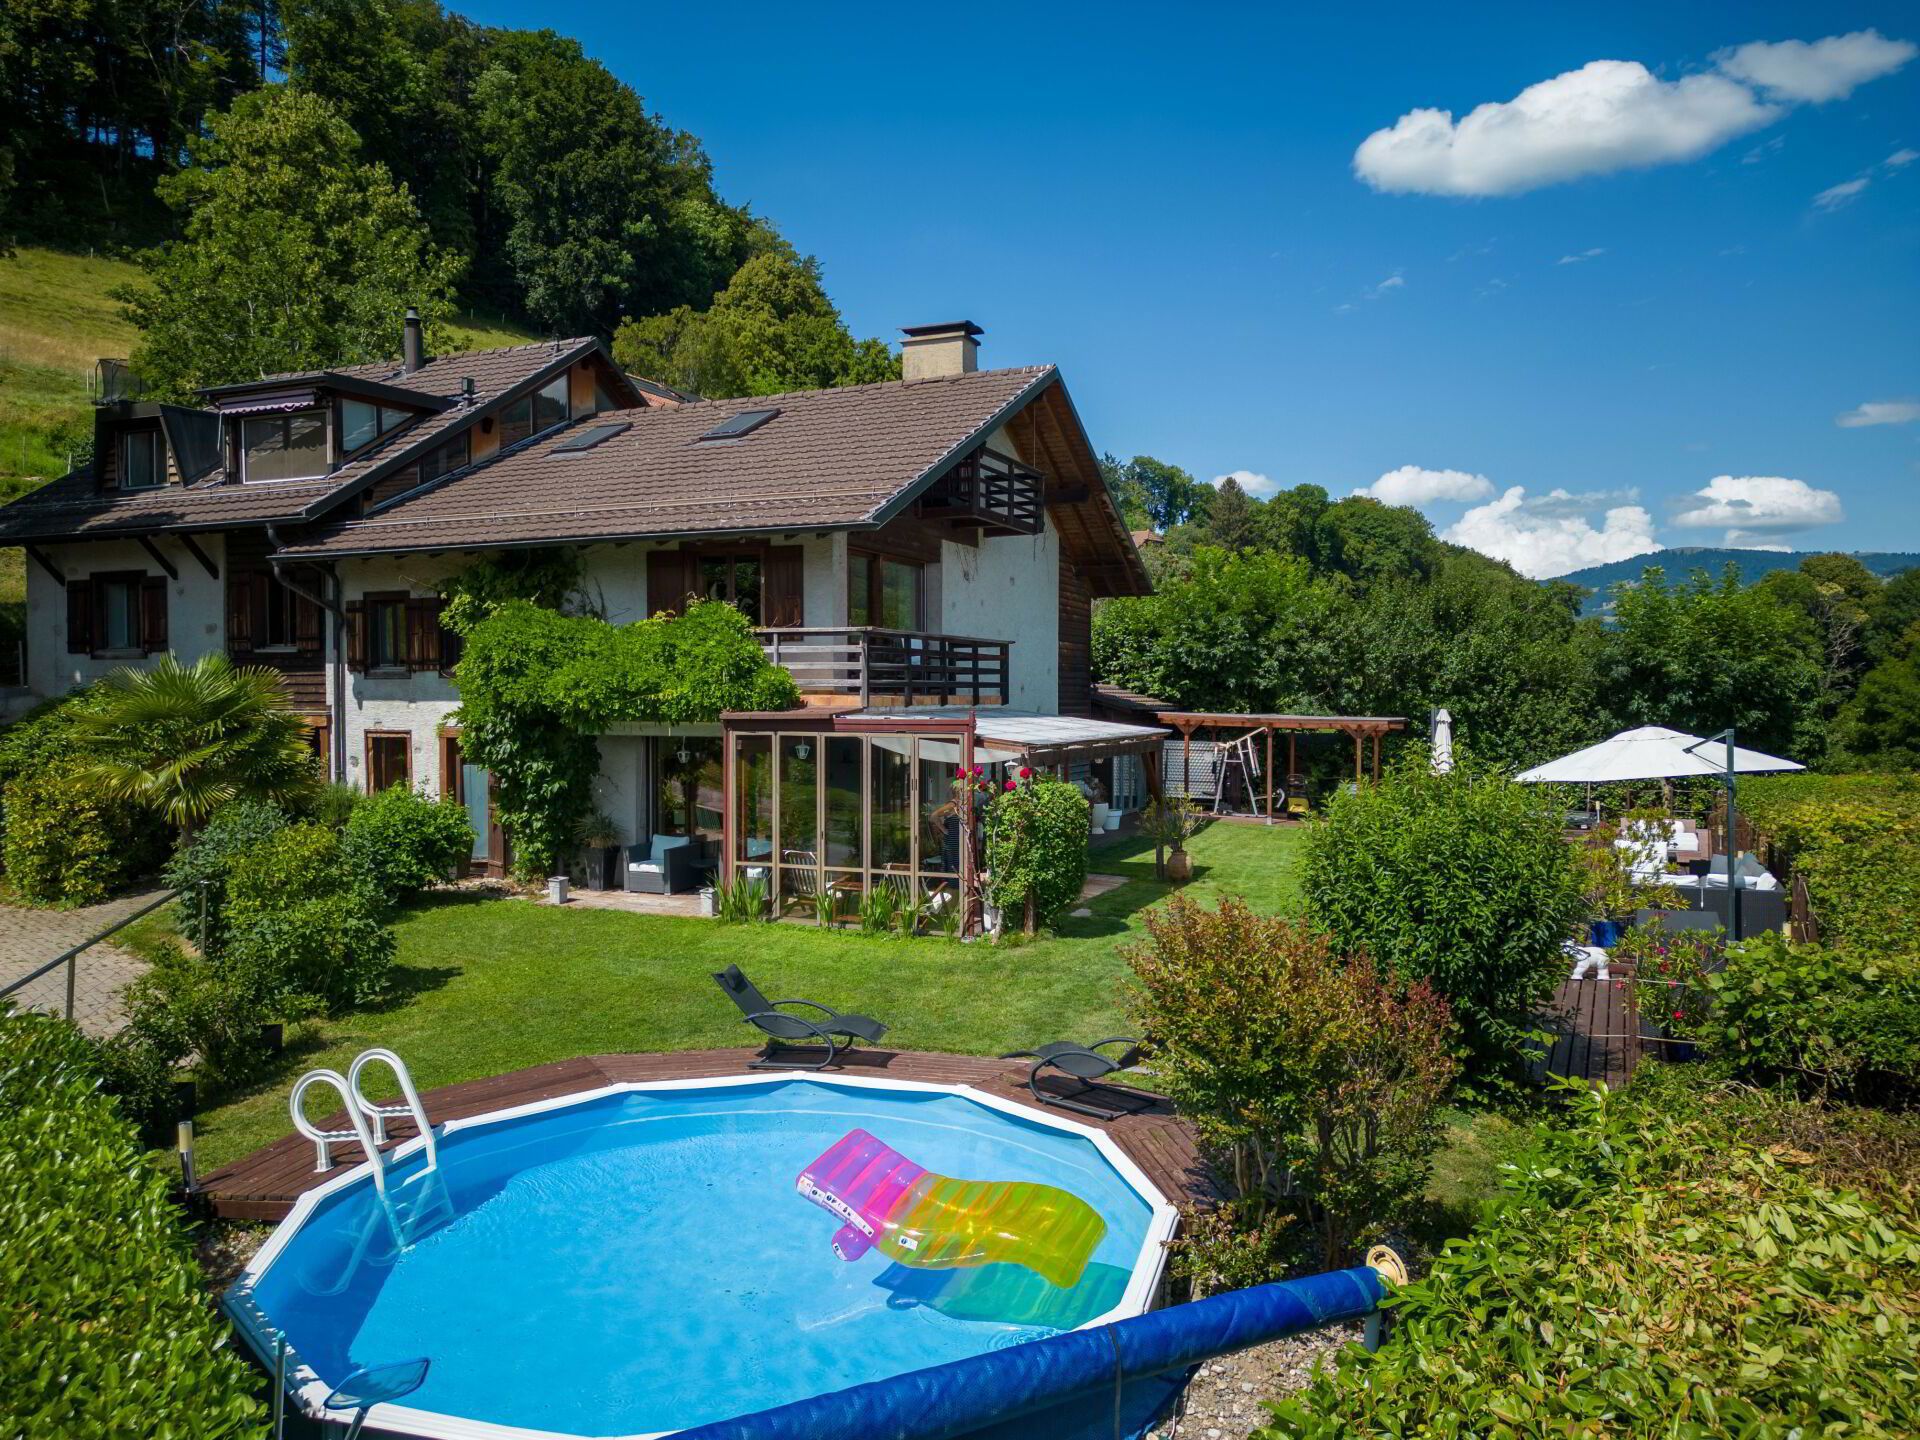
643,1262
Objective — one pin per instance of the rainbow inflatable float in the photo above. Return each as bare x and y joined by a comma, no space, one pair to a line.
935,1222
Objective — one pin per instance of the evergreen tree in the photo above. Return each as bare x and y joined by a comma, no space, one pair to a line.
1233,518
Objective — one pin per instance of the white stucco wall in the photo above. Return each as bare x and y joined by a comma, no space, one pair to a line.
1008,588
196,607
397,701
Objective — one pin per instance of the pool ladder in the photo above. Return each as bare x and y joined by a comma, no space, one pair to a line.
366,1118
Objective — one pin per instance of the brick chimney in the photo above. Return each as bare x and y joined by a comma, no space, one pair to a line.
931,351
413,345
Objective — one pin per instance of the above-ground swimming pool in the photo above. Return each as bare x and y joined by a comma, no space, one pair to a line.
648,1257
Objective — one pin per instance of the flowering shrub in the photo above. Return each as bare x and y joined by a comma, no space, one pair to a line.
1036,848
1307,1073
1670,973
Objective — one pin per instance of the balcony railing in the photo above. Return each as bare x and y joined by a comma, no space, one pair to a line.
891,667
991,490
115,382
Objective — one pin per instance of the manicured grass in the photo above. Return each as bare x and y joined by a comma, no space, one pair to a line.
496,985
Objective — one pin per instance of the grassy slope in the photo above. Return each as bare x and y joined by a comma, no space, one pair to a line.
501,984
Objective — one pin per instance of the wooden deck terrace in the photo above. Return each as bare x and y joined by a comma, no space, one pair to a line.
265,1184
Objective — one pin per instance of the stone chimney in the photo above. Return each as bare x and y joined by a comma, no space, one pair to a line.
931,351
413,346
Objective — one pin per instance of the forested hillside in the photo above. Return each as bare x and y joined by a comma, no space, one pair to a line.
1749,564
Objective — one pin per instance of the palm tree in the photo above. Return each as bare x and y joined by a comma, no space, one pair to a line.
186,739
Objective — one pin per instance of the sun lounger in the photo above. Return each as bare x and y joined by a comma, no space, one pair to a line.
1086,1064
786,1032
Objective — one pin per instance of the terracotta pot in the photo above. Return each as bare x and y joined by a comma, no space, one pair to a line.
1179,867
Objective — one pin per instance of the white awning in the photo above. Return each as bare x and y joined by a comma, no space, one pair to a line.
1027,735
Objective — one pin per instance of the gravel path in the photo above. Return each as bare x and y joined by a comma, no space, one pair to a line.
1224,1401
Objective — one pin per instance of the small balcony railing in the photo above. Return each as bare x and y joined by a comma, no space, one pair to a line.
993,491
115,382
891,667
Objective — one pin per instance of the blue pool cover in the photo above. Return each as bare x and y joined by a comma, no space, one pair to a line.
1112,1382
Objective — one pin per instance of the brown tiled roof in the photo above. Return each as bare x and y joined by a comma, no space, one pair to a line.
70,508
831,459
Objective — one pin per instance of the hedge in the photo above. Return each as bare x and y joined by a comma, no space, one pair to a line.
1682,1260
1036,848
105,1326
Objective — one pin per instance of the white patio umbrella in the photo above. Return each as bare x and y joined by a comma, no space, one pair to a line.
1441,732
1653,752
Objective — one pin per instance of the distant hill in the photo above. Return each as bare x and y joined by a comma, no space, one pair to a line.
1679,561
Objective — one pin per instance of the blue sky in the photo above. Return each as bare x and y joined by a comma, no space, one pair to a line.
1654,286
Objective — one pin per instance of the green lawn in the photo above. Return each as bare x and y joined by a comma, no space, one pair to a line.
495,985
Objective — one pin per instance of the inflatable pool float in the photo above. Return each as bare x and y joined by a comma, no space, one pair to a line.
935,1222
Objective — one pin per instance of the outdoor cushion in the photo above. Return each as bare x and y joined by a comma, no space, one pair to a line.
663,843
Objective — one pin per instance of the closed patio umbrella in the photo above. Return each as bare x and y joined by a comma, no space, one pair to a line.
1653,752
1442,732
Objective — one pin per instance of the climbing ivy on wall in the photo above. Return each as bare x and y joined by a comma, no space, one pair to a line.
537,687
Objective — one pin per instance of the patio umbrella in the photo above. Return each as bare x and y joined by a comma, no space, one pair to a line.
1441,731
1654,752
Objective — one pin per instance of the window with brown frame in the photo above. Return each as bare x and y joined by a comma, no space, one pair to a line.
389,759
122,612
884,591
318,733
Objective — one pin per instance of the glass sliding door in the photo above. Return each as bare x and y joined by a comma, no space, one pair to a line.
799,845
843,828
753,808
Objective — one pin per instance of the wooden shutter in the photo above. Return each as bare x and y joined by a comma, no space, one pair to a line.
450,640
423,633
670,580
79,617
356,634
153,614
309,629
240,629
783,601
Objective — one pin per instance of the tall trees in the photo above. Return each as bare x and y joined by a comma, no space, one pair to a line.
295,255
1706,654
772,329
1163,495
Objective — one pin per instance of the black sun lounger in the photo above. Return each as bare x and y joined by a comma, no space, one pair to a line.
785,1031
1086,1064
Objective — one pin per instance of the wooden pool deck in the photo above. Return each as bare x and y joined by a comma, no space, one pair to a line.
265,1184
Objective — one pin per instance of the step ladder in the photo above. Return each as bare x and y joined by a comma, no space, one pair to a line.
1237,759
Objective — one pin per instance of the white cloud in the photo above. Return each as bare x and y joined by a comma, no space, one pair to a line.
1552,534
1608,115
1762,150
1845,193
1412,485
1745,540
1395,281
1829,69
1255,484
1612,115
1579,255
1879,412
1900,159
1755,504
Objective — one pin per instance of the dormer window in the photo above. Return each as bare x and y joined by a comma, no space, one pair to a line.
362,423
142,462
290,446
531,414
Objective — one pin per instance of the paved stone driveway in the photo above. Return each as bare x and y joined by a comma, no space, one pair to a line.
30,938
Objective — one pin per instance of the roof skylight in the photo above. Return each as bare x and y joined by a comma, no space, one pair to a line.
588,438
743,423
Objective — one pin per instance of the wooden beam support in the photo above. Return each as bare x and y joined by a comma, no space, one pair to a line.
146,544
1357,775
39,557
206,560
1376,755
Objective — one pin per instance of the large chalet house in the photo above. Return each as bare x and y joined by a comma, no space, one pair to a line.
922,554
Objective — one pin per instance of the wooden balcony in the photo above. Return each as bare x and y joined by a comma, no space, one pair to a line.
992,491
891,667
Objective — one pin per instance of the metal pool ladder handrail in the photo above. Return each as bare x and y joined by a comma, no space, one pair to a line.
359,1111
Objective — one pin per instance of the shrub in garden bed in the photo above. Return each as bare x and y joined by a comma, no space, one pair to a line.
1461,880
1681,1259
1312,1077
105,1326
399,842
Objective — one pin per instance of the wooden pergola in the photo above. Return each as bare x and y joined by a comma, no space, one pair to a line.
1361,728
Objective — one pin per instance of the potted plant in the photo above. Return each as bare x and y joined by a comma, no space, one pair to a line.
1171,820
600,837
1614,890
1097,804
